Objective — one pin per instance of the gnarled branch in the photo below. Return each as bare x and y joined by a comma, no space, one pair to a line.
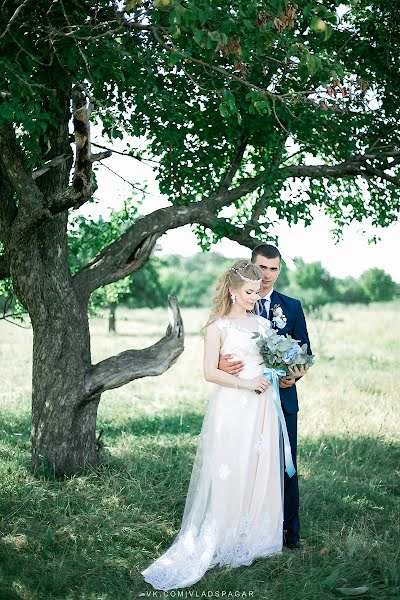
114,263
134,364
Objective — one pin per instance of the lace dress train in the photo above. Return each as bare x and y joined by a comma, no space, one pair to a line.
234,505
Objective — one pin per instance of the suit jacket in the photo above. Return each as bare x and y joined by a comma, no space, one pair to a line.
297,328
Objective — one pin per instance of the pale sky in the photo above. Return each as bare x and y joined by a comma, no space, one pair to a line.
351,256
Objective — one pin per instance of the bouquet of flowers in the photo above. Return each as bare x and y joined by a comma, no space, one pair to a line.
280,352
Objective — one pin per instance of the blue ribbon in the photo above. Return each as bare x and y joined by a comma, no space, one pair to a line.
273,375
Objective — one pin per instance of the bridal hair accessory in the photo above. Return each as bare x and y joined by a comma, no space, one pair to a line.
243,277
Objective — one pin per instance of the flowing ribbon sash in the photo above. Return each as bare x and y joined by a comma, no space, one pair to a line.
273,375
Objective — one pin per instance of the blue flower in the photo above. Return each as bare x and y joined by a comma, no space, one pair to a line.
291,353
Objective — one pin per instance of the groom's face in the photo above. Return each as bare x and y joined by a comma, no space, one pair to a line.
270,267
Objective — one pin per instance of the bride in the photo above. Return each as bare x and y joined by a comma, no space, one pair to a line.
234,505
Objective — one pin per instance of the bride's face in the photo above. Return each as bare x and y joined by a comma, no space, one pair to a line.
247,295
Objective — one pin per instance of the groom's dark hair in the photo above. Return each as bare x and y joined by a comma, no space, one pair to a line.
266,250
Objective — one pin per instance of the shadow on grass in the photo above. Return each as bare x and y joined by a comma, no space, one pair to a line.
169,423
89,537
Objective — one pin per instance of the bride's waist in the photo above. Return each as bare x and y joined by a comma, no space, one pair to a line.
251,369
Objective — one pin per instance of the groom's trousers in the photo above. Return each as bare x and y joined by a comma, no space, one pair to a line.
291,520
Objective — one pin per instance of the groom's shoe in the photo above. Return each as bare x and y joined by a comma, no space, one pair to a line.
294,545
291,544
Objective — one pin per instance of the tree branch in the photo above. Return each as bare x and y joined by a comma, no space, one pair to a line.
235,165
241,235
118,260
14,16
225,73
30,209
348,168
380,173
134,156
83,184
134,364
258,210
50,164
121,257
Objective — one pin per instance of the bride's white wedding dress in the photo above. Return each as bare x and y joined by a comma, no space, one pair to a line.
234,506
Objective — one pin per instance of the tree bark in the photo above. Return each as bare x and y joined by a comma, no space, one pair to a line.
63,420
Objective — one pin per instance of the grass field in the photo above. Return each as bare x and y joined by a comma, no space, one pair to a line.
88,538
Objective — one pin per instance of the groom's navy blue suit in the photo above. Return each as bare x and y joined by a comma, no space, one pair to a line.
297,328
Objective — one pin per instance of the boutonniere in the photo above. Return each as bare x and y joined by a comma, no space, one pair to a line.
278,318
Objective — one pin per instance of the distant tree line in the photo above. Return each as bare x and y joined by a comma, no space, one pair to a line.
193,280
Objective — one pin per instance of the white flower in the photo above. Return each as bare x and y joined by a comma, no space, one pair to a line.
224,471
261,444
280,322
279,318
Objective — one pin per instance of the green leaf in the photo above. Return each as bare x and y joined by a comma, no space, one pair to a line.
200,37
215,36
224,110
313,64
263,107
328,32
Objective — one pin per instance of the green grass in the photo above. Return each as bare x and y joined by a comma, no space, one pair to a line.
89,537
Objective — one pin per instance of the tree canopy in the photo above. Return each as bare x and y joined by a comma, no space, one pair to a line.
229,94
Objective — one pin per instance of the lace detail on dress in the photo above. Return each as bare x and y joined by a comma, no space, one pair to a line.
239,547
261,444
224,471
224,322
182,566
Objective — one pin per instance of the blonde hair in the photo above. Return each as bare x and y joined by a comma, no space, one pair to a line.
232,278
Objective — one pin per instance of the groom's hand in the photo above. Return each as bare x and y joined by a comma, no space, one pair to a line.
233,367
286,382
298,372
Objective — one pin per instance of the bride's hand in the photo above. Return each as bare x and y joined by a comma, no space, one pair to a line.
258,384
298,371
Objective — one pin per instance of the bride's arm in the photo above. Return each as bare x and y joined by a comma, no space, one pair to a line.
212,346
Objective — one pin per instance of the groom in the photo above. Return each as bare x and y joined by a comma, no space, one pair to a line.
274,304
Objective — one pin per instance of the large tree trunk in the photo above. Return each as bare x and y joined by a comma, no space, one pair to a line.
63,422
66,387
63,418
